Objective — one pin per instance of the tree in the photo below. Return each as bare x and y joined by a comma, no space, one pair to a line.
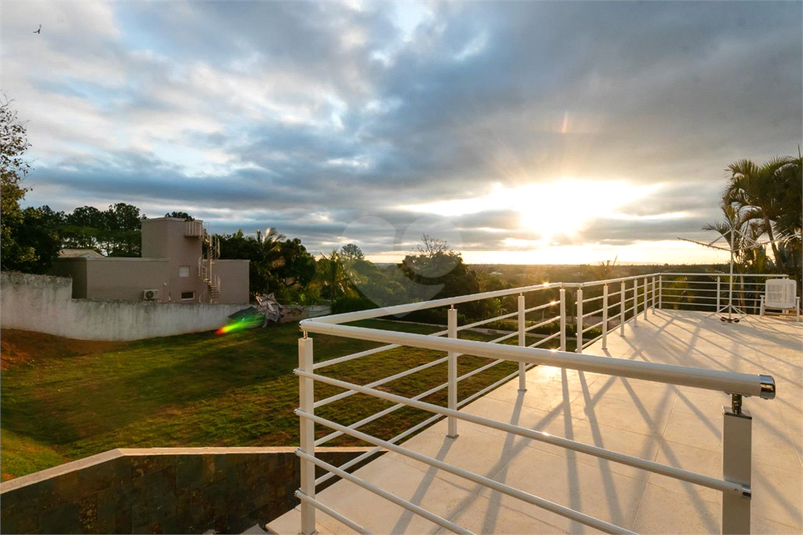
331,276
13,169
116,231
435,263
278,265
351,252
180,215
754,188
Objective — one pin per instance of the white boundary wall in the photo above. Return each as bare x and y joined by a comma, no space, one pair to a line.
44,304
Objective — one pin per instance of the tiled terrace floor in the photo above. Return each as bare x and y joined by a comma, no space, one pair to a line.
678,426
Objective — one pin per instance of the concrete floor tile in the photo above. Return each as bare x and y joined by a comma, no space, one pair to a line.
563,480
663,511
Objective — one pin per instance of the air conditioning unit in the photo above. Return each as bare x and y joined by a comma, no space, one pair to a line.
150,295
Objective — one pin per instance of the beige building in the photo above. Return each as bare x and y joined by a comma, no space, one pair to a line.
173,268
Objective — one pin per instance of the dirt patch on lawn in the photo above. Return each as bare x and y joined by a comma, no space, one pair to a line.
18,347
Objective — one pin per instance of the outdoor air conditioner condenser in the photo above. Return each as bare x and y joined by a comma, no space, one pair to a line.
150,295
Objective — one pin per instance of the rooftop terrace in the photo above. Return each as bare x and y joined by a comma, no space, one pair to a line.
598,482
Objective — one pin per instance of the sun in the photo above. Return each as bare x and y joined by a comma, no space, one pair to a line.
567,206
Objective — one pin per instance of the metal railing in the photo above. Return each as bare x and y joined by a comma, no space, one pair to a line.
630,298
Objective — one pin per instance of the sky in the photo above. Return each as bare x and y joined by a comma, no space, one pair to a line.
520,132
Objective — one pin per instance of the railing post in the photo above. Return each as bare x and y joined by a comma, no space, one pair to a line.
653,294
452,362
635,302
522,343
660,292
718,292
605,317
622,306
736,455
579,322
306,396
646,299
563,319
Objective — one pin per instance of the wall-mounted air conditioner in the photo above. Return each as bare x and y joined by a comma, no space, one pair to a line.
150,295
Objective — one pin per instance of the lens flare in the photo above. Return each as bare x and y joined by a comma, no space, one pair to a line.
234,326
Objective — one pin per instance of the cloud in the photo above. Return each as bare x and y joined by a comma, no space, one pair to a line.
307,116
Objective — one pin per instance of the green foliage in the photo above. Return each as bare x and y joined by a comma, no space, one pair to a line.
331,277
278,265
767,199
15,254
437,264
351,252
116,231
180,215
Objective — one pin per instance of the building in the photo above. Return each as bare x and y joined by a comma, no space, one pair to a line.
173,268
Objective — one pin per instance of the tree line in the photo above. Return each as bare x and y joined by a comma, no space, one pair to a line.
764,200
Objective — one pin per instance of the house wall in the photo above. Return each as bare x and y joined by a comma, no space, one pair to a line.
165,238
233,280
44,304
125,278
161,490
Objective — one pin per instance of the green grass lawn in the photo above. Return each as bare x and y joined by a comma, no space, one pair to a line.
200,390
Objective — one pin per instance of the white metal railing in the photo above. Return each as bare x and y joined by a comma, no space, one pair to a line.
630,298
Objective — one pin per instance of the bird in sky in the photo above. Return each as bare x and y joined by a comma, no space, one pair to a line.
39,30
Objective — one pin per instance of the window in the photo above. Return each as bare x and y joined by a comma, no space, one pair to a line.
187,295
184,271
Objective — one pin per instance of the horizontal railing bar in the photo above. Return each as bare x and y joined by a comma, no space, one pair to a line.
448,301
390,378
545,322
711,305
331,512
361,457
591,313
540,307
502,338
346,358
492,386
585,330
478,479
380,414
723,381
592,299
547,339
484,322
591,342
401,502
602,453
481,369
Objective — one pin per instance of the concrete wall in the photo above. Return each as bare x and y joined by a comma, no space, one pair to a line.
43,303
159,490
233,280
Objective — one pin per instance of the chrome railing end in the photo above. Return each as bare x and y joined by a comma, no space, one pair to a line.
767,387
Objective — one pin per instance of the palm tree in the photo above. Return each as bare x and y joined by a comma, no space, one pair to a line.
332,276
753,188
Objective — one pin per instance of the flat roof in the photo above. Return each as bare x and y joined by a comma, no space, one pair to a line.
677,426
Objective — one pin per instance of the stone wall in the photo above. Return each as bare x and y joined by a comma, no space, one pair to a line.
159,490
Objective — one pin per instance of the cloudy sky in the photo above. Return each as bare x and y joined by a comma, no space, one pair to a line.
520,132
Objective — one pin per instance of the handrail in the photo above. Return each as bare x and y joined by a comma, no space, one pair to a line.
718,380
449,301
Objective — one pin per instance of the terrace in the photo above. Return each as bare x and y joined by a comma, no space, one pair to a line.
626,434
